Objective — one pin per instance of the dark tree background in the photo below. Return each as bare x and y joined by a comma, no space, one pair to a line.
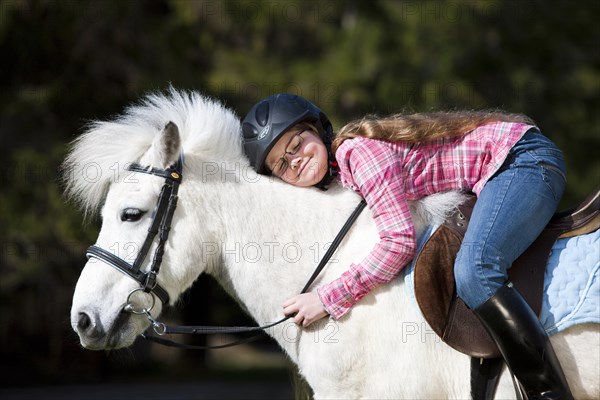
64,63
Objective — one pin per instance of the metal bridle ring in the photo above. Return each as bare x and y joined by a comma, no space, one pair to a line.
131,308
159,328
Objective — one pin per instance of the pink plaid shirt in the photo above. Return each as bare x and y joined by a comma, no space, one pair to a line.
388,174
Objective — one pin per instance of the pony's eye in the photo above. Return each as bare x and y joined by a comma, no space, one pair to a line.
132,214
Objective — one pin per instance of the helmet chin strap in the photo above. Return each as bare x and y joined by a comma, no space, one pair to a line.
332,172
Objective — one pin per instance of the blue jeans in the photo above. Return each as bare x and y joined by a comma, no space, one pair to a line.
512,209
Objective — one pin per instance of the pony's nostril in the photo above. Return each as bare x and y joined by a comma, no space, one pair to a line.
84,322
88,326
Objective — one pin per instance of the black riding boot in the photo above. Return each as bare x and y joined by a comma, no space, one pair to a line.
524,344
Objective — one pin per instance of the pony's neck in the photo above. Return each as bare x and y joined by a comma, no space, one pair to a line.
273,235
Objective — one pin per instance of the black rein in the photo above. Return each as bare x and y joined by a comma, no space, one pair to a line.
208,330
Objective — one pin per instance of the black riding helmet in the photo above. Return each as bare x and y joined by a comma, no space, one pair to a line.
271,117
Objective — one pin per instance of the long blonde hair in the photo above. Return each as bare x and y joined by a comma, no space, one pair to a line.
422,127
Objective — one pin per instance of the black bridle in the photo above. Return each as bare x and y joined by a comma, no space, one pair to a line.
161,225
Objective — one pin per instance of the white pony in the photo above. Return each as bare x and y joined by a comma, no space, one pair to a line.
261,239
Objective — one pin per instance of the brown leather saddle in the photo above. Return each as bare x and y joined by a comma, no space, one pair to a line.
435,290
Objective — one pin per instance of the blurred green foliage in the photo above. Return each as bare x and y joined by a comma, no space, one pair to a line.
65,63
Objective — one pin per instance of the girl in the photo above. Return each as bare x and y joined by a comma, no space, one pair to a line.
517,174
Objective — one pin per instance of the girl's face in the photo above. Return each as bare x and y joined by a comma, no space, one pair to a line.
299,157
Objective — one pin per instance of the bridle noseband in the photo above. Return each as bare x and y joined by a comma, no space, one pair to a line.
161,225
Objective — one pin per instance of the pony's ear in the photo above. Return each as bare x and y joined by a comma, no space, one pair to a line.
166,146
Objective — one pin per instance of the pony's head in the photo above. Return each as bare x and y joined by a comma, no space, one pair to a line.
97,173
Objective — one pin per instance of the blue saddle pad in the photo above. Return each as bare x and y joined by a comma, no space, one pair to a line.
571,282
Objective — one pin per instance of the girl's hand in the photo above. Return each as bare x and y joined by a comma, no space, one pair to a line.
306,306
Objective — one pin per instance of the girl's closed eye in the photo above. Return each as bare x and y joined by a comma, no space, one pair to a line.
295,145
280,167
292,148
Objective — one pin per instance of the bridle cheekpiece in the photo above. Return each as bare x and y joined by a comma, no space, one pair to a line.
161,225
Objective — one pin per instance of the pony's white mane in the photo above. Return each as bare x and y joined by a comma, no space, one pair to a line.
208,130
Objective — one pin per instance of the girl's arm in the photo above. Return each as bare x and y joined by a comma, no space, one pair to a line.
373,169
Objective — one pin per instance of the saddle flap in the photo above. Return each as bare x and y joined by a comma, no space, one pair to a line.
435,292
435,289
